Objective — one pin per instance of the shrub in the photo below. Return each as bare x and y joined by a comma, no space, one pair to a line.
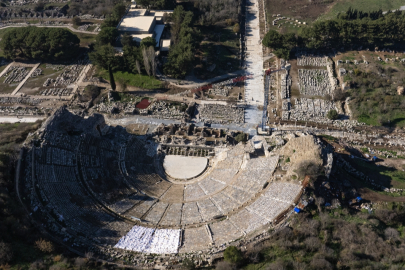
80,262
188,264
44,246
332,115
37,265
76,21
233,255
89,93
391,233
307,167
321,263
357,72
6,253
236,28
225,266
241,137
57,258
312,243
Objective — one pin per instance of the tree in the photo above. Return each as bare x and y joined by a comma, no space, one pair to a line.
44,246
112,81
157,4
273,39
180,19
319,201
138,66
74,9
39,43
6,253
131,55
179,60
282,53
107,35
105,57
119,11
148,42
109,21
146,61
332,115
76,21
233,255
144,3
236,28
127,40
152,59
39,6
181,54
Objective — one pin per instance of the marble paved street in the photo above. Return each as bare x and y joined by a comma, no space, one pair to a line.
254,88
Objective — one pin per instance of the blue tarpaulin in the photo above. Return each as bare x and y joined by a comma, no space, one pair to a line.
358,199
297,210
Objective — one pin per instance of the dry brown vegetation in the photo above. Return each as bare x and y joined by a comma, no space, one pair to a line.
304,155
337,239
44,246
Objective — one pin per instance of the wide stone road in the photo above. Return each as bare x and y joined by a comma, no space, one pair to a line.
254,88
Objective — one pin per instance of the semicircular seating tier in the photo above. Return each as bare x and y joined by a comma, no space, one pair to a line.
112,190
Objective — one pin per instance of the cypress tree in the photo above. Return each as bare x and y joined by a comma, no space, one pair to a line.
112,81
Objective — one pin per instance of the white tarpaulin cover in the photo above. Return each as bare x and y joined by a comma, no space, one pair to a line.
149,240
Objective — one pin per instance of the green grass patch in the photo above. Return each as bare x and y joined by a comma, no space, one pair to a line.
397,118
328,138
85,39
364,150
141,81
363,5
368,119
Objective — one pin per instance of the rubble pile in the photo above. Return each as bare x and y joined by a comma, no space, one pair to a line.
20,100
13,110
220,91
306,59
55,67
314,82
71,73
15,74
220,114
163,110
56,92
306,109
37,72
83,27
